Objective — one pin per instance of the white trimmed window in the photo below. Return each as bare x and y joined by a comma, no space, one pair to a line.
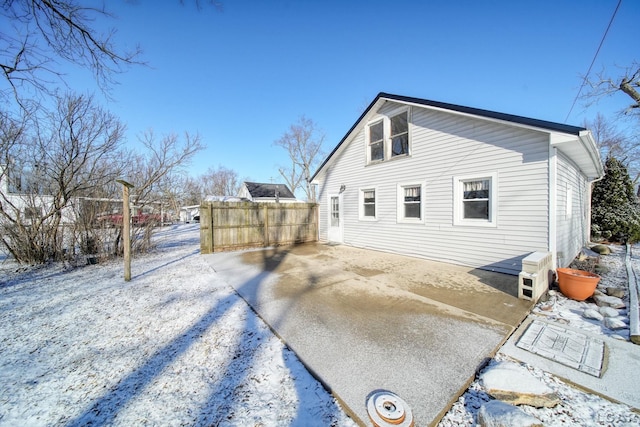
335,211
376,141
476,200
410,203
368,204
400,134
388,137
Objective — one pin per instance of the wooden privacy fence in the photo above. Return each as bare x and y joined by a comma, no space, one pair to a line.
229,226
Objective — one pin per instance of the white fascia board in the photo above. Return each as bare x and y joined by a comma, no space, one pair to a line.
582,150
587,140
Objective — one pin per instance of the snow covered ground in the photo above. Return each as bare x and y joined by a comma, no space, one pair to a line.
577,408
174,346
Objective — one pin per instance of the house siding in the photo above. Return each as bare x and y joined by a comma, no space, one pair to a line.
444,146
570,223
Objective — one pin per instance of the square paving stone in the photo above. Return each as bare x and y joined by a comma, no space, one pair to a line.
573,349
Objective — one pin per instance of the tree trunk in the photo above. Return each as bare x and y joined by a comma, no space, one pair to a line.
627,88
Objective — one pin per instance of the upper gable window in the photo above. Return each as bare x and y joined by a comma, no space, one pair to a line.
399,134
389,137
376,141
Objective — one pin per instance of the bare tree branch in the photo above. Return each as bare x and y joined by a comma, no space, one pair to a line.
44,31
605,85
303,142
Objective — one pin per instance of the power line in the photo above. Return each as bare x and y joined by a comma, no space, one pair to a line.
584,80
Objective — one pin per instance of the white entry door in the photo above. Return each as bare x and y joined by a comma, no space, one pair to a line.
335,218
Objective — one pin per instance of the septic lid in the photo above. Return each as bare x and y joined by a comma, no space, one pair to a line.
388,409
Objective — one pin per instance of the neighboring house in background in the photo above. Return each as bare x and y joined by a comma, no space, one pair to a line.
24,202
260,192
458,184
189,213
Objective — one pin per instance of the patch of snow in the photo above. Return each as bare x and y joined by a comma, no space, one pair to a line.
174,346
509,376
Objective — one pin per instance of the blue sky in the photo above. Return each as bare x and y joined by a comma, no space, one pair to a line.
242,75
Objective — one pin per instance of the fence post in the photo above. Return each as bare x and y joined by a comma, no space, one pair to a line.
210,219
266,224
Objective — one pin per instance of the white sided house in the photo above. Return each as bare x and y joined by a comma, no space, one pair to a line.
459,185
23,201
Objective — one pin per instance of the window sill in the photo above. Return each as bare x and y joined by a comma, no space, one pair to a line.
480,223
410,221
368,219
392,159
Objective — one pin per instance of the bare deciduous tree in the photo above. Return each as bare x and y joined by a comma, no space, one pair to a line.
628,83
153,172
220,182
303,143
68,154
612,142
43,32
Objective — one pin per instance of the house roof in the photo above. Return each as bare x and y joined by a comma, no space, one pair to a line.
259,190
586,150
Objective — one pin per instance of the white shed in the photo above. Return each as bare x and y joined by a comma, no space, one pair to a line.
458,184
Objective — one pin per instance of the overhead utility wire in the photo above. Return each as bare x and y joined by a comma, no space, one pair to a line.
584,80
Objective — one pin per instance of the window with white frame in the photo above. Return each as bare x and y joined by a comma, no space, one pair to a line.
410,203
388,137
368,203
400,134
335,211
376,141
475,200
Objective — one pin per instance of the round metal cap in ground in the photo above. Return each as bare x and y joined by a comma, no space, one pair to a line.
388,409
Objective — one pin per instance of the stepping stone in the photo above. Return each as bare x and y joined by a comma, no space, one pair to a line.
514,384
570,348
497,413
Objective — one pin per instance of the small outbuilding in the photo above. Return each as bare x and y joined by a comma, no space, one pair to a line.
458,184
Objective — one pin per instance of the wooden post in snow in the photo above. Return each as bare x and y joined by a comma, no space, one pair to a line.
126,228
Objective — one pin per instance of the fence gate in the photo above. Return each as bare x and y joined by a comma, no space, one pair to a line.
230,226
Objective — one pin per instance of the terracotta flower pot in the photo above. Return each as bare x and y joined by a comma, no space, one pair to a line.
577,284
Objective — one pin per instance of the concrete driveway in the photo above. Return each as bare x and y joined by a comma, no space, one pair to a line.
363,320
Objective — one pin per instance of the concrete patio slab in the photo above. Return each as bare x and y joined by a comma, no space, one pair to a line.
363,320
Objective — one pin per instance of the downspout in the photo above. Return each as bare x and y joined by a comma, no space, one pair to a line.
588,237
553,195
586,138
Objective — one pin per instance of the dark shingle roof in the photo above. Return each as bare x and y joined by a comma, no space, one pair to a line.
557,127
543,124
257,189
